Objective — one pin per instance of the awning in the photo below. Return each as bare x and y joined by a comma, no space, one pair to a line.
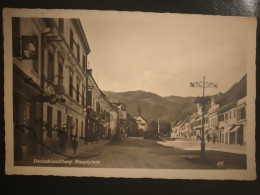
221,128
228,129
234,129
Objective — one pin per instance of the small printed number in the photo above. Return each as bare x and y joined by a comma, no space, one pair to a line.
220,163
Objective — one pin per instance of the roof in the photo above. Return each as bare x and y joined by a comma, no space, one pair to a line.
142,118
228,106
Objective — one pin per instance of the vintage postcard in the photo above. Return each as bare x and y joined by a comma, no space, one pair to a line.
92,93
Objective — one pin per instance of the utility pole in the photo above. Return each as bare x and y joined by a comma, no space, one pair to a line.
158,126
203,84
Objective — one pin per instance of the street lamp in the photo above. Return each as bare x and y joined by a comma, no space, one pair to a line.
203,84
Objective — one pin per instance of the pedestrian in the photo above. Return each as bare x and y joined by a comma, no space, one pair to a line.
75,143
208,137
214,139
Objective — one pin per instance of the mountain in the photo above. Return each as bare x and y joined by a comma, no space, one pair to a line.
237,91
153,106
171,108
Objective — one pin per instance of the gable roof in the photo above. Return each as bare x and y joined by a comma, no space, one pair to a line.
141,118
228,106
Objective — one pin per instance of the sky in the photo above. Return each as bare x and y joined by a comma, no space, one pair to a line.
163,52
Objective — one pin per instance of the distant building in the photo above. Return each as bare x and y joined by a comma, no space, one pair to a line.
232,123
142,123
122,117
102,115
225,117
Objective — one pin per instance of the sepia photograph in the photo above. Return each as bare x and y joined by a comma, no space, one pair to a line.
129,94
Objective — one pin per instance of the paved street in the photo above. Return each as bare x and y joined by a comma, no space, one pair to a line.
195,145
139,153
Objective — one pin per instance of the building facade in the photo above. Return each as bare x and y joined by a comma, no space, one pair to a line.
225,118
53,90
49,75
102,116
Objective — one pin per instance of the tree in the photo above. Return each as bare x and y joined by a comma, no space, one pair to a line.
152,126
152,130
165,127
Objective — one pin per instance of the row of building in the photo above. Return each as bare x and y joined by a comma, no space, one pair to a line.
224,118
53,89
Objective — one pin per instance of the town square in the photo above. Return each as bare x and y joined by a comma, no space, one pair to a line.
132,91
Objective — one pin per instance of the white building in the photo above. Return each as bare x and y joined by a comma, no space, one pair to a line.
141,122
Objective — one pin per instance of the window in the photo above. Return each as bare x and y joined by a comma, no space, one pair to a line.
61,25
84,62
221,117
49,121
226,116
81,128
50,66
16,37
98,107
83,96
78,52
60,78
243,113
71,84
60,73
77,126
71,39
77,96
89,98
234,113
